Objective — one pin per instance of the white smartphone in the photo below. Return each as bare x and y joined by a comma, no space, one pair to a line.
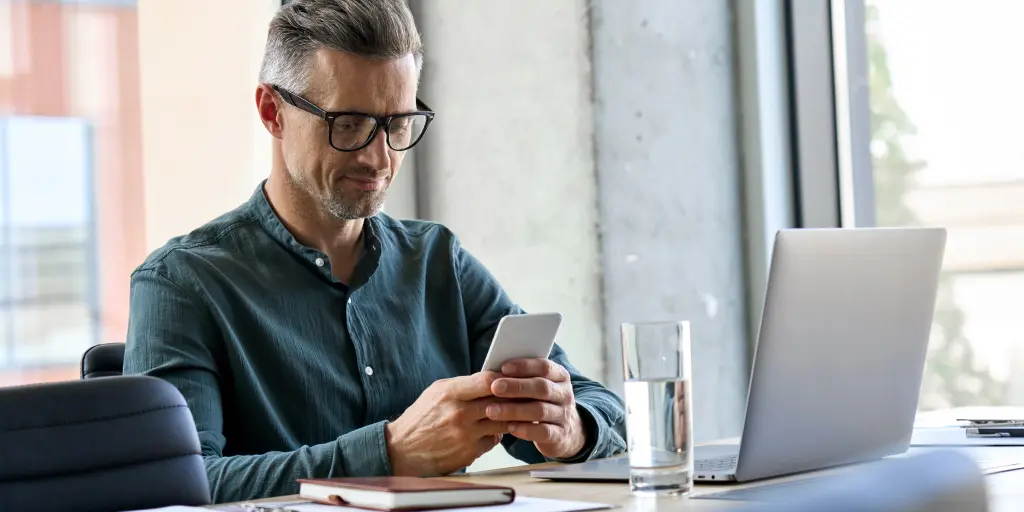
527,336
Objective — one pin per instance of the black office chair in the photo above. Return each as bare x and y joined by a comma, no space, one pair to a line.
99,445
103,360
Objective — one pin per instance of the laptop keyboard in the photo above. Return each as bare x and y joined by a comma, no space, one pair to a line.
716,465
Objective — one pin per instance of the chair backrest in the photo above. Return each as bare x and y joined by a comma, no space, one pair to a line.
103,360
123,443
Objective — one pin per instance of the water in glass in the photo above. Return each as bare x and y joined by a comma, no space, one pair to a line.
659,426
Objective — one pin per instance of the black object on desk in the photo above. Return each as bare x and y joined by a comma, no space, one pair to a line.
995,432
994,428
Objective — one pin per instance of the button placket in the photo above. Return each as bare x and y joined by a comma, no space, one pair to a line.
363,354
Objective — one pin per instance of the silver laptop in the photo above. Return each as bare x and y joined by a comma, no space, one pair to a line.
839,359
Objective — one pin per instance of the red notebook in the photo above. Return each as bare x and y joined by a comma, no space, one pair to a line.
402,493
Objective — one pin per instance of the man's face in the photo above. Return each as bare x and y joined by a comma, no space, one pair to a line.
348,185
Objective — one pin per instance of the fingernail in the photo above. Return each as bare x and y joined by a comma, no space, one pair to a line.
511,427
508,368
501,386
493,410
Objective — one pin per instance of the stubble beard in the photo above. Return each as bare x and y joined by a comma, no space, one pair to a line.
366,203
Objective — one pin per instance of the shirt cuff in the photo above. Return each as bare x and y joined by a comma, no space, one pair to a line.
591,430
364,451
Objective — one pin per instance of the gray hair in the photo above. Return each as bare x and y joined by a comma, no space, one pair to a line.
374,29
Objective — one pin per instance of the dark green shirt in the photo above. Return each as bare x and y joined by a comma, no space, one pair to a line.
290,373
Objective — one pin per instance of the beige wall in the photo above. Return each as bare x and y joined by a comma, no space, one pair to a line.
203,147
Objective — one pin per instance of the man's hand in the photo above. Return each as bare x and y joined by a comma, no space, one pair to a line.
543,409
445,429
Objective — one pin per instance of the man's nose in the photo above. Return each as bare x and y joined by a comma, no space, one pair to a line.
376,154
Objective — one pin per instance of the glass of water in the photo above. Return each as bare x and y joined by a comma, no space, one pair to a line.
659,426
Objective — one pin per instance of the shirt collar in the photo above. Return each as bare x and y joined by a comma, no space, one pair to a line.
315,259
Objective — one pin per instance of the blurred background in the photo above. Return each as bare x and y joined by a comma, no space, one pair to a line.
616,161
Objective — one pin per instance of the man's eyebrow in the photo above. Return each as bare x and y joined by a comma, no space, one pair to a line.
420,107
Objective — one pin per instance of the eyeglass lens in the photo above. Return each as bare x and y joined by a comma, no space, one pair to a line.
352,131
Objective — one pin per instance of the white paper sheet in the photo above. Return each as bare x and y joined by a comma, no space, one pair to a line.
174,509
521,504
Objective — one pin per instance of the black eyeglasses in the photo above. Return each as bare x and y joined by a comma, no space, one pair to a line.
352,131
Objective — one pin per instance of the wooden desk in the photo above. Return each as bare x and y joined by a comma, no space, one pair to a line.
1006,490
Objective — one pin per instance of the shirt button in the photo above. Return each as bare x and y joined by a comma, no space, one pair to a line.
349,301
369,371
319,262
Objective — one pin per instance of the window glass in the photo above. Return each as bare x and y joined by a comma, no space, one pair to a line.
947,149
71,219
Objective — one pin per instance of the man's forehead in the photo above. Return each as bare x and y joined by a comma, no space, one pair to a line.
333,69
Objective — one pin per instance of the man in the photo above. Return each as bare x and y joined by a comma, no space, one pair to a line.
313,336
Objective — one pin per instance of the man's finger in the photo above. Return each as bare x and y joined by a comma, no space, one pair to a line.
535,432
524,368
489,427
474,410
486,443
471,387
527,412
533,388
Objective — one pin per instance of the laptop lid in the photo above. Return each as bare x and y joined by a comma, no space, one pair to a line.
841,348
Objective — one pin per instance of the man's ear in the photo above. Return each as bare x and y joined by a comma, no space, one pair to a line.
269,108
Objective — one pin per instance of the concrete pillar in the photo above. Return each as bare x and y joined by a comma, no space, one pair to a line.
401,201
508,164
668,165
